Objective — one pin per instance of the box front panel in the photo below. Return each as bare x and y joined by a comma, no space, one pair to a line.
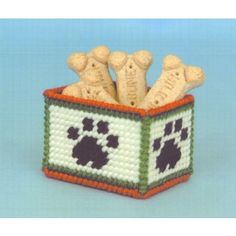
170,150
95,146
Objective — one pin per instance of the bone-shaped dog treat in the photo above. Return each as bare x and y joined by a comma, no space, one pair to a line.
82,90
97,93
175,80
130,75
92,69
73,90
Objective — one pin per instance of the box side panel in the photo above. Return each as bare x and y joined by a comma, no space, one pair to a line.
91,145
171,145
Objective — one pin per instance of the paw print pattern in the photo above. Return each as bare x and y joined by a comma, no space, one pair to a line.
87,148
170,152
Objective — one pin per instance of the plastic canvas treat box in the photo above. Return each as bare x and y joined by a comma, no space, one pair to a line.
117,148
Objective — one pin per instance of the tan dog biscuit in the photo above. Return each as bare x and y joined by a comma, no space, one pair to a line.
97,93
92,68
131,75
73,90
175,80
82,90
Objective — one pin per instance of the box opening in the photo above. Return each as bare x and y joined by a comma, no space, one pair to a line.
56,93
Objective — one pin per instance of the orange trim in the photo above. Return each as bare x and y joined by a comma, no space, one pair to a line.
112,188
55,93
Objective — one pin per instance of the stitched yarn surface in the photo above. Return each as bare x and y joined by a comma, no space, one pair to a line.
117,148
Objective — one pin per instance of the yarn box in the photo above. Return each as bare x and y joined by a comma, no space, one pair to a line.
117,148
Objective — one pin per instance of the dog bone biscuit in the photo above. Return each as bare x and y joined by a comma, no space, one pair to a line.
92,68
73,90
96,93
175,80
131,75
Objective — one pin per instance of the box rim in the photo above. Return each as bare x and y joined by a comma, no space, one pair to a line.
55,94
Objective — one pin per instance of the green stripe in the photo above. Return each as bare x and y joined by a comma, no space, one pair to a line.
192,141
92,176
169,177
46,135
93,109
144,155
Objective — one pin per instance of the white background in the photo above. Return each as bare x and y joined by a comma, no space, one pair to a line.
115,9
